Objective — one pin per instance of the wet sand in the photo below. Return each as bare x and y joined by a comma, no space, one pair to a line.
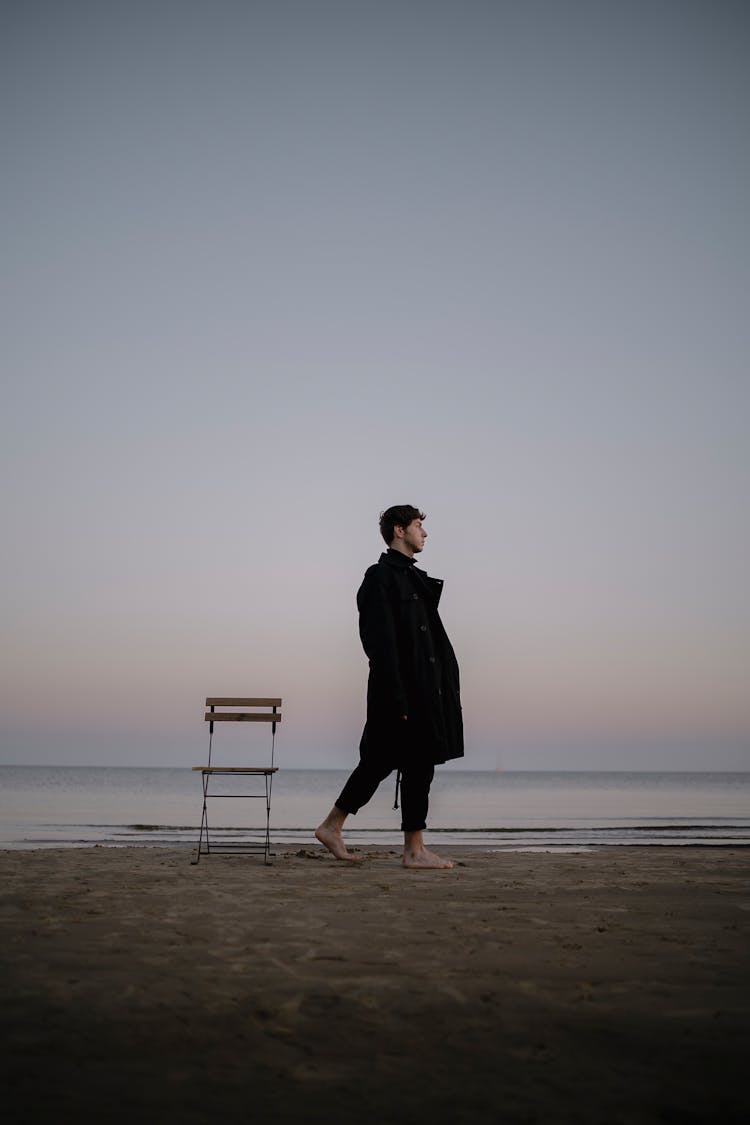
611,986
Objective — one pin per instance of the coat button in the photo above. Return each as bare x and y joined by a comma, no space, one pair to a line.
432,660
423,628
415,597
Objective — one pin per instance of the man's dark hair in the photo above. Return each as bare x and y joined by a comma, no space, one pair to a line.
400,515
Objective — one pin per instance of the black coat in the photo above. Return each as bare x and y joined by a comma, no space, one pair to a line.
413,668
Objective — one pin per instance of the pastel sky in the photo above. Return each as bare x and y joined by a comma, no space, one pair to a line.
271,267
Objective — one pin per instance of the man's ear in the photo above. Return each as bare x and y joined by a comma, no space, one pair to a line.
398,532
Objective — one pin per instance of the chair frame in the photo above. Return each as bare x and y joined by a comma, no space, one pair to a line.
216,713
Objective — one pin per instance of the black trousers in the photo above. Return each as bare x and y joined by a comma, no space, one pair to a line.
415,790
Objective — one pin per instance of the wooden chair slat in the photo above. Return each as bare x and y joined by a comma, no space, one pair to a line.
236,769
242,717
232,701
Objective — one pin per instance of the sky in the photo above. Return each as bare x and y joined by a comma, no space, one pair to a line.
271,267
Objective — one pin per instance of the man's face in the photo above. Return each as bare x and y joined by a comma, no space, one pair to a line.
414,537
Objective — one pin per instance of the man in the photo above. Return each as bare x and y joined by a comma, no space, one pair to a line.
413,704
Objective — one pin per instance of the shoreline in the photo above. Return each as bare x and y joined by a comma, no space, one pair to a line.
524,987
434,841
287,847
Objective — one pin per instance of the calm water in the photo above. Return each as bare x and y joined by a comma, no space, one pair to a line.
58,806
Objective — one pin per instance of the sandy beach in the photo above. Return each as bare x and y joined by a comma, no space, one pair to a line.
609,986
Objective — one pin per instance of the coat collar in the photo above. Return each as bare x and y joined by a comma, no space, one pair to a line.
397,558
404,564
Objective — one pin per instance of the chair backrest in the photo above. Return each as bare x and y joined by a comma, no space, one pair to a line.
241,710
233,709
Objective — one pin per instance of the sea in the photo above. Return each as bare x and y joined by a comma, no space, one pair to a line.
83,806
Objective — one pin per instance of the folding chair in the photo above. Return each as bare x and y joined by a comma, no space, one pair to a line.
242,711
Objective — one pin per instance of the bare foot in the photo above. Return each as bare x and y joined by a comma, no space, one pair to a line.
422,857
332,839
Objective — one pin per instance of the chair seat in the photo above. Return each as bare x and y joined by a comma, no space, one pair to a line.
236,769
